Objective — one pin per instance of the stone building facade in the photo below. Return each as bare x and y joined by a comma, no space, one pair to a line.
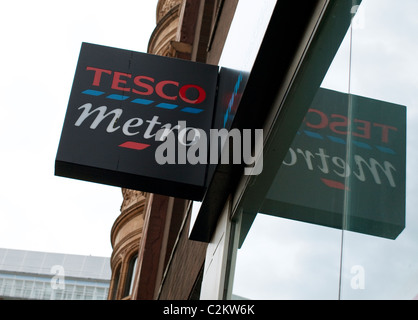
125,238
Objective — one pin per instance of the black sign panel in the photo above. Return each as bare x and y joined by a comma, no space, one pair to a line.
345,159
120,99
231,86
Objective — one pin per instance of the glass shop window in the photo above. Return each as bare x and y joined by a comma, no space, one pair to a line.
340,217
130,278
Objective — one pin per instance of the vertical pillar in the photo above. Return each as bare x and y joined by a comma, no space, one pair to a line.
215,270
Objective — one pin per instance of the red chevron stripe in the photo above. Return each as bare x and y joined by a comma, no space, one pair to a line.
134,145
334,184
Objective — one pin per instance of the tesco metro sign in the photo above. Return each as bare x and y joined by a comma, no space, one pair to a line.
345,163
119,100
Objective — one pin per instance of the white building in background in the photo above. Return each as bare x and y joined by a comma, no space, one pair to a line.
32,275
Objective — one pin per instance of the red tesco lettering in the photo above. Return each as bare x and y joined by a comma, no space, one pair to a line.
340,124
144,85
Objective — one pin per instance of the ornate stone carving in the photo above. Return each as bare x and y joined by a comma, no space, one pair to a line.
164,6
130,197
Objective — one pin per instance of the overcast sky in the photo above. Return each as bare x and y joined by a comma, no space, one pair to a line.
39,51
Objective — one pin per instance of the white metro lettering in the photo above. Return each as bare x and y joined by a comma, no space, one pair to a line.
100,117
128,126
339,166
